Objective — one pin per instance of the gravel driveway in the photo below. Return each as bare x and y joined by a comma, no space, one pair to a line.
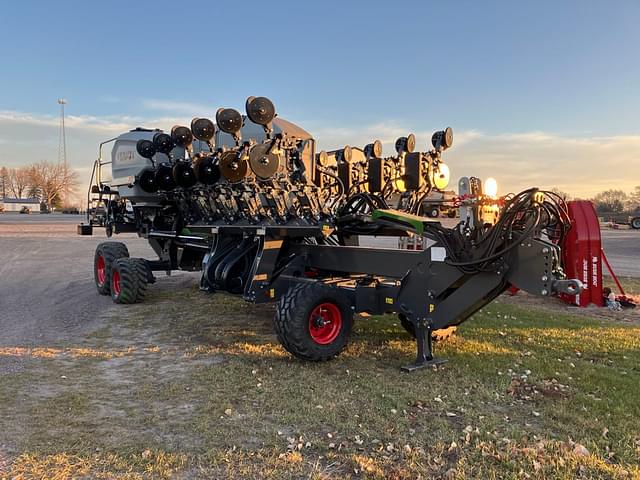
47,292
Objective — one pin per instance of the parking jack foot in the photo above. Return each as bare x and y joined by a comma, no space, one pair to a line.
424,343
427,363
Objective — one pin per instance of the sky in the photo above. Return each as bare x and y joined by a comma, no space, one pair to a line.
538,93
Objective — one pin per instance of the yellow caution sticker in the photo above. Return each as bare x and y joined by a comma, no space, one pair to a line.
272,293
388,300
327,230
272,244
432,307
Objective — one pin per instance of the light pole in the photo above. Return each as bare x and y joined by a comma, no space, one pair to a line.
62,143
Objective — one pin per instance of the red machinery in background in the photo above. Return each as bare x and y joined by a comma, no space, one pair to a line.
582,254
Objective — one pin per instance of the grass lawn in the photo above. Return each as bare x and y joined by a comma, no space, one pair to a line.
525,394
631,285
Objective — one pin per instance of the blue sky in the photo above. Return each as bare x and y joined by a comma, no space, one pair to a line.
502,74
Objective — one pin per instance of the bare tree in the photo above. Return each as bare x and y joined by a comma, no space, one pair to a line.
634,199
4,181
610,201
18,181
564,195
52,180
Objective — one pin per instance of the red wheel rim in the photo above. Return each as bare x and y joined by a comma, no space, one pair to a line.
115,282
101,269
325,323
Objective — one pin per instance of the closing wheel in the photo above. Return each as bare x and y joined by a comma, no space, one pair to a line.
106,254
437,335
434,213
129,279
313,321
635,223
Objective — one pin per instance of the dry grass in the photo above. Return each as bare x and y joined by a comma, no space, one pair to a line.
631,285
164,393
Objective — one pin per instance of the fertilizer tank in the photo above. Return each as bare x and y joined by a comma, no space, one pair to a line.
127,164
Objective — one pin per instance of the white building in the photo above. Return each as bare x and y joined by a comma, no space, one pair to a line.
16,204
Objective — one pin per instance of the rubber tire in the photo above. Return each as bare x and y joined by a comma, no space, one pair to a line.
635,223
291,321
134,277
434,213
437,335
111,251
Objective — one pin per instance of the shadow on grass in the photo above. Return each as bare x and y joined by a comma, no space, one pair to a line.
202,379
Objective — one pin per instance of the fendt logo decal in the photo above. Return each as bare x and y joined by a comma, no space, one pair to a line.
125,156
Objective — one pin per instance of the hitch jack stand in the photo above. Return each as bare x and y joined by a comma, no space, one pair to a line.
424,343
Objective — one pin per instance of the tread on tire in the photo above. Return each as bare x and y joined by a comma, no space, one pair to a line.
292,321
109,252
132,277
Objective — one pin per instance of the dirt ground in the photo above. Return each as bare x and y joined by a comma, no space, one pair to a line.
628,315
189,373
47,284
46,275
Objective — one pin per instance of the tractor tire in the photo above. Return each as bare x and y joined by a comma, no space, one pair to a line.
106,254
129,279
313,321
437,335
635,223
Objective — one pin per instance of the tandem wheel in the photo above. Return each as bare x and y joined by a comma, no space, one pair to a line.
313,321
106,254
129,280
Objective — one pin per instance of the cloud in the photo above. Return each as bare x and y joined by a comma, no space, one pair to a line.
192,109
330,138
580,165
82,122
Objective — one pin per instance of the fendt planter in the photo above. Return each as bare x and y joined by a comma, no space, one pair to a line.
249,203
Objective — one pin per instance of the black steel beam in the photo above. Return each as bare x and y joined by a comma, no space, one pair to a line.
374,261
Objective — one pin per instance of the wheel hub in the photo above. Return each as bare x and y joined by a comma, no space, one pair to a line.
115,282
325,323
320,322
101,268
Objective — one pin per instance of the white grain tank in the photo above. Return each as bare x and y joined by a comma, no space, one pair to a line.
126,165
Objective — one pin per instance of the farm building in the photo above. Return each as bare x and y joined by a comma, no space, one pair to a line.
16,204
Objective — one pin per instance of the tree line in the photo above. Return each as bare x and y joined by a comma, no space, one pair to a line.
618,201
45,181
612,201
